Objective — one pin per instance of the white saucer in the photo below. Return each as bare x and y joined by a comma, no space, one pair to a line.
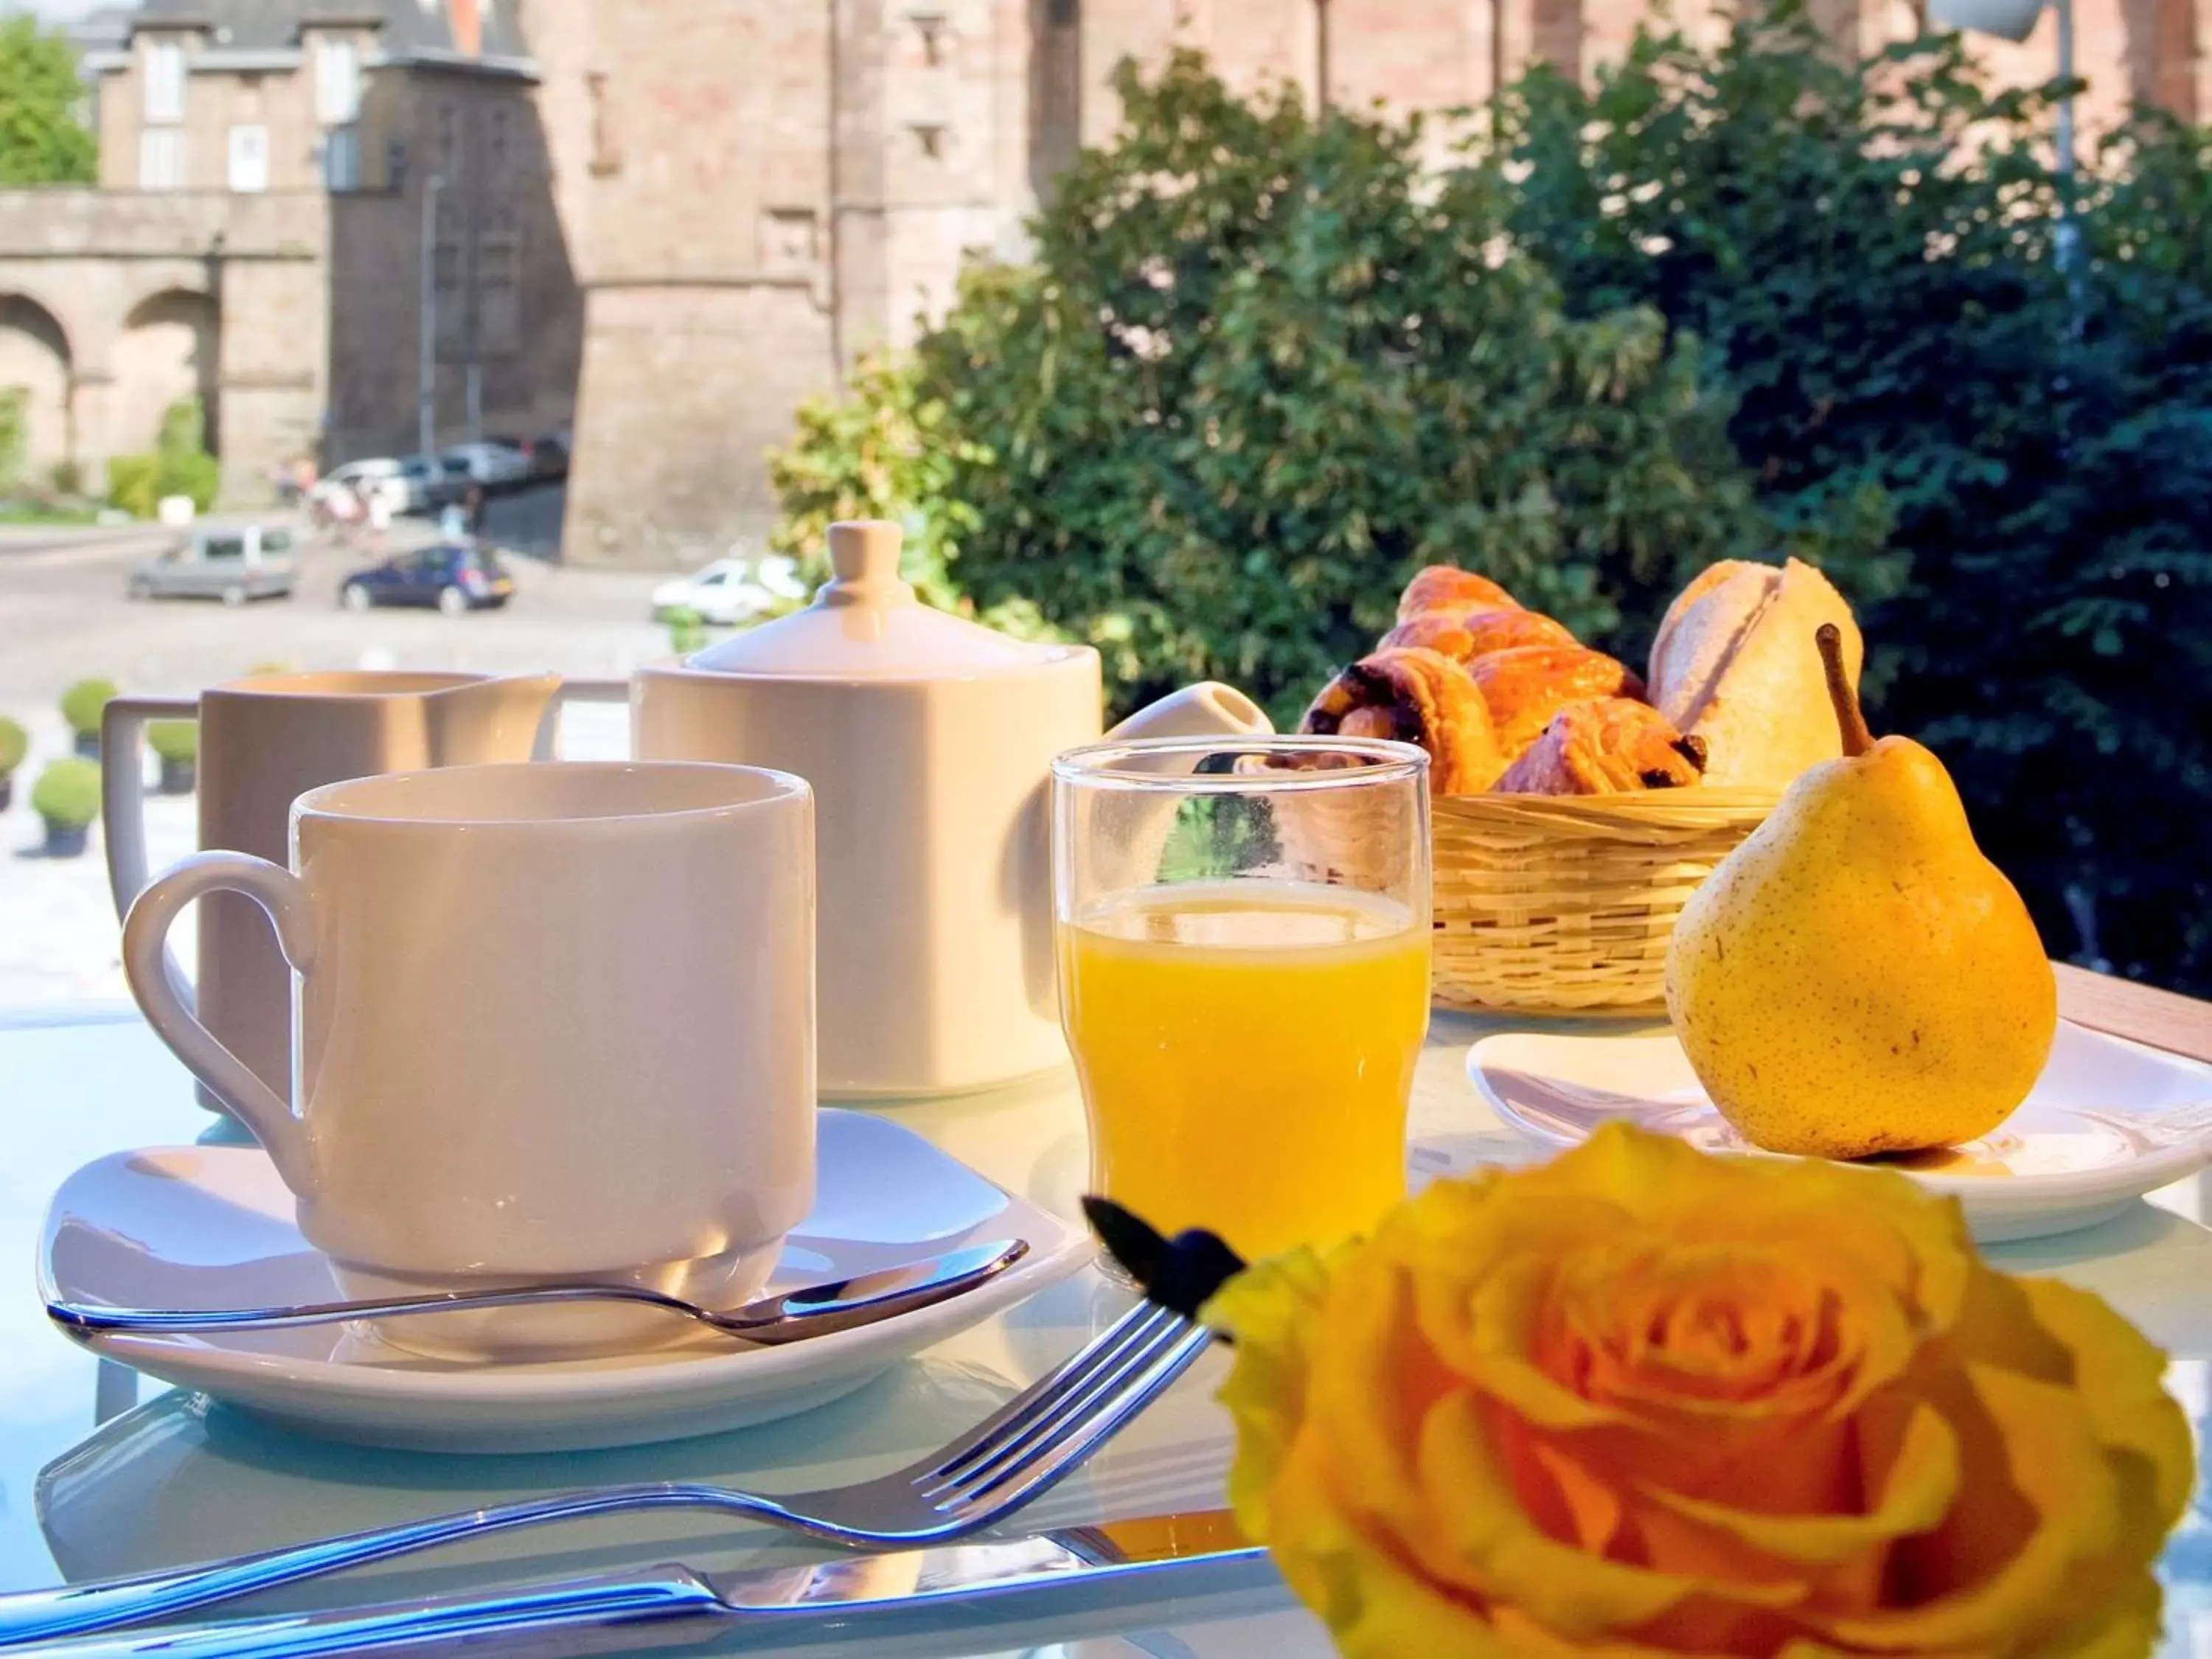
212,1227
2107,1121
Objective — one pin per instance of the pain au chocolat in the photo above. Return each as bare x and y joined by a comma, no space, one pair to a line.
1415,696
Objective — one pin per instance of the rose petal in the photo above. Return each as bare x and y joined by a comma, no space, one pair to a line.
2121,1379
1479,1537
2040,1498
1923,1480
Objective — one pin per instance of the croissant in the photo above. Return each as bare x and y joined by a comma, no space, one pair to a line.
1416,696
1525,687
1444,587
1465,634
1605,746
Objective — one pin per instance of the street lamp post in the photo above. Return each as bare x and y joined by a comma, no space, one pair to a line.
426,387
2016,19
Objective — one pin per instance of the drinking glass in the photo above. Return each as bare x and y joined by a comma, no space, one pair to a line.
1243,936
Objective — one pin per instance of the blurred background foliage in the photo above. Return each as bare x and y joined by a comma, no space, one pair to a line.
1735,299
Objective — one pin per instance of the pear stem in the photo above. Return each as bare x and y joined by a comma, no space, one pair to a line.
1857,739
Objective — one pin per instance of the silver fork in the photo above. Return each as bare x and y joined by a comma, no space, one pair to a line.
1026,1447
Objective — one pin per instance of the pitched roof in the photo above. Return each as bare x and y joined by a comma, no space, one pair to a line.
403,27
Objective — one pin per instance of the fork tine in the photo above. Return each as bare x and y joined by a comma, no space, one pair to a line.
1135,1326
1067,1412
1048,1464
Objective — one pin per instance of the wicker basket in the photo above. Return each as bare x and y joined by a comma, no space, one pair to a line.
1564,904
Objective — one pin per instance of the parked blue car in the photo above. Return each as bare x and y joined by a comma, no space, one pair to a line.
453,578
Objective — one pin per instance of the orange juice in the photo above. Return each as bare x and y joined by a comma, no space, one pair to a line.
1247,1048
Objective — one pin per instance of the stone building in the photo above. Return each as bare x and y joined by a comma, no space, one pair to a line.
754,191
268,176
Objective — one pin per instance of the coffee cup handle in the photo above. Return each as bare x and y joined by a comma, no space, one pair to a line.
283,898
574,689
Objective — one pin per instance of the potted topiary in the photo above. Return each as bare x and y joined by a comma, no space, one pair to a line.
177,743
14,744
67,796
81,707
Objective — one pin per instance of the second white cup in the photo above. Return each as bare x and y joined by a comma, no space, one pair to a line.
550,1021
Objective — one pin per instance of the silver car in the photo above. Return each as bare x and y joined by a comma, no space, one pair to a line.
234,565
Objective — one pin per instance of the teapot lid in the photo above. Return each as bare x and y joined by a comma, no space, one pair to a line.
867,624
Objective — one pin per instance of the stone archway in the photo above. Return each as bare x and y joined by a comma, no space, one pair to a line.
35,366
169,350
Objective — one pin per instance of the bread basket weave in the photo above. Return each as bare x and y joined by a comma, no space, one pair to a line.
1564,904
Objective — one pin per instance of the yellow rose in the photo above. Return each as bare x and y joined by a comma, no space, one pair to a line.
1641,1401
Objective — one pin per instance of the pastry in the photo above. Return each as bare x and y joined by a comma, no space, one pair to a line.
1444,587
1607,745
1415,697
1464,634
1523,688
1735,664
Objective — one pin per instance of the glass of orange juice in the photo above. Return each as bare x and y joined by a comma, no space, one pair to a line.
1243,938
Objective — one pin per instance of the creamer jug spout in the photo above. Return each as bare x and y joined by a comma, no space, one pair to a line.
1208,710
482,720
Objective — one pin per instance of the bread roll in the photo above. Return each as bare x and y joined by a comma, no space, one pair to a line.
1735,665
1415,697
1463,636
1444,587
1608,745
1525,687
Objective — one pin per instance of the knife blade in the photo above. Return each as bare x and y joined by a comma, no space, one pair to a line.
1073,1574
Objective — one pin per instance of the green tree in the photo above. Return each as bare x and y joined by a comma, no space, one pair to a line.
42,142
1265,365
1869,253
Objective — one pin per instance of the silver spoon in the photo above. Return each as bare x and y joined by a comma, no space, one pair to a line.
789,1316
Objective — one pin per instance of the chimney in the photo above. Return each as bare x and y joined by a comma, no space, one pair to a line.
468,28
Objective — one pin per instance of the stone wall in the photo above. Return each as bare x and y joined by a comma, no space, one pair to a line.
296,312
122,275
756,191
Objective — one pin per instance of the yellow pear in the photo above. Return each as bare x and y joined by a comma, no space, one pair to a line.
1855,977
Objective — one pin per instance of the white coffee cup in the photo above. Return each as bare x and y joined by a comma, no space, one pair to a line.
550,1021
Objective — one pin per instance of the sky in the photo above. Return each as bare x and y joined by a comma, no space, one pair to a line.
54,10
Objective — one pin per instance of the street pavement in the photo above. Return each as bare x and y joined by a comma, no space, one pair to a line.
63,616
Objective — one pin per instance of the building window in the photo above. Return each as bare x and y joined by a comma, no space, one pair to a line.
499,290
449,143
337,82
160,158
342,159
165,80
449,276
249,158
496,142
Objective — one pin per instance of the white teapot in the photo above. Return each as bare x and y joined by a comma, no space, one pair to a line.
927,739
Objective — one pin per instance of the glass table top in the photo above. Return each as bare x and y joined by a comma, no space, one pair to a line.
103,1473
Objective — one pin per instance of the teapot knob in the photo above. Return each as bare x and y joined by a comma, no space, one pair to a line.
865,552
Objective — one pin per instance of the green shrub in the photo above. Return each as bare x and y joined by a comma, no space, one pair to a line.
131,483
14,435
82,702
66,480
1899,331
174,740
14,744
879,451
197,476
183,430
687,630
1267,365
68,791
177,466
